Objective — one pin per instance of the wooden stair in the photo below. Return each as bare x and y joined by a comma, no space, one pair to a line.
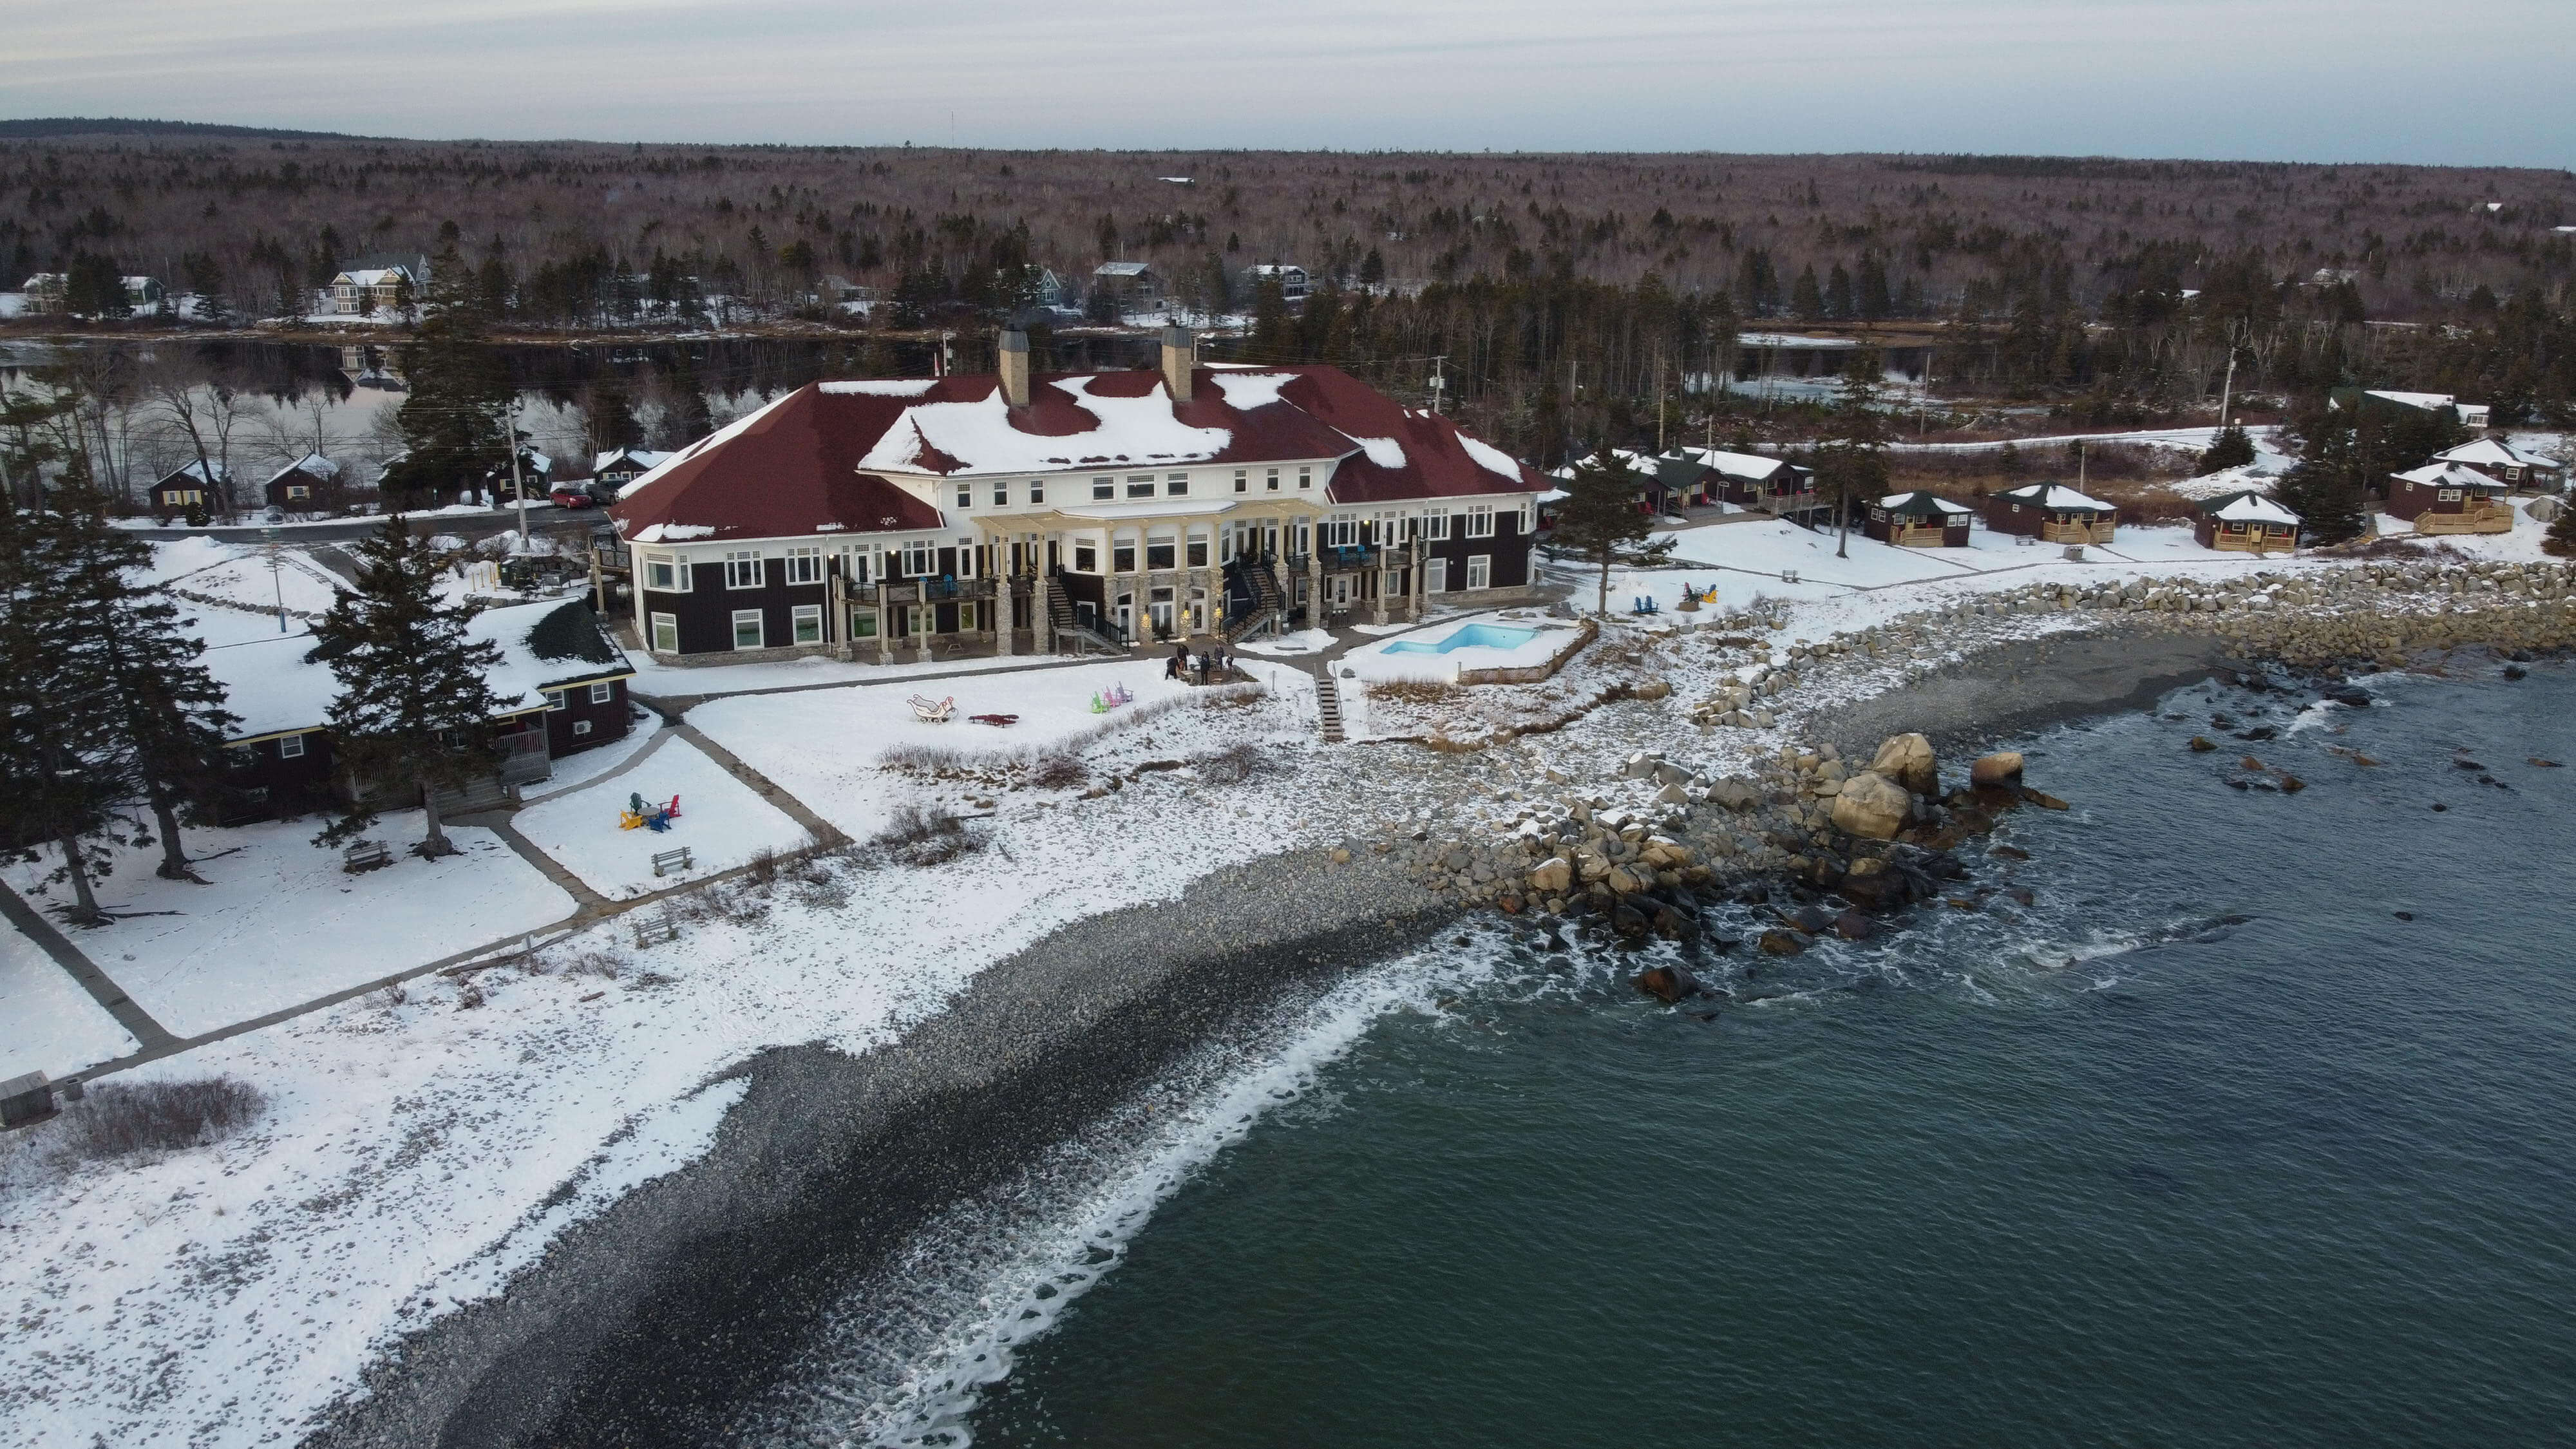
1328,710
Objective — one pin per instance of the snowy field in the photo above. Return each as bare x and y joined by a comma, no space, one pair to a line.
47,1022
823,746
281,924
723,822
661,680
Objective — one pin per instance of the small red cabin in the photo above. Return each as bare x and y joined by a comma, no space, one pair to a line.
1918,520
2051,513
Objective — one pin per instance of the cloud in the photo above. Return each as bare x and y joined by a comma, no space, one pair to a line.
2321,79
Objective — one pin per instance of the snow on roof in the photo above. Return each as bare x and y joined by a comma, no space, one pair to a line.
2490,453
1919,502
1120,269
197,470
1384,452
641,457
955,438
2249,507
1792,340
1245,391
2425,400
277,687
1487,456
2450,475
2056,497
1737,465
903,387
313,463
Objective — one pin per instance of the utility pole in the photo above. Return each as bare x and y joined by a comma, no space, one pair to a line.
518,488
276,575
1659,404
2227,389
1439,379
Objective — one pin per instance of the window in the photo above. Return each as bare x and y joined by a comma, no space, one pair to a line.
1158,551
1521,520
1176,485
1435,576
1480,570
581,727
966,617
855,564
1122,556
1305,477
1140,485
746,629
1435,525
1086,557
742,569
2448,495
291,748
1271,485
965,495
1037,490
602,693
557,699
1198,551
1104,488
921,619
863,623
1480,521
804,566
1001,495
298,490
1341,530
666,633
1242,480
804,625
917,558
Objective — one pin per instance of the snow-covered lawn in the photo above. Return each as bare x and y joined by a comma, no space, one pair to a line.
823,746
1776,546
722,821
1281,646
656,678
47,1022
575,770
281,924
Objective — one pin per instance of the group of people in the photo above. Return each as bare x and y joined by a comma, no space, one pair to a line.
1212,664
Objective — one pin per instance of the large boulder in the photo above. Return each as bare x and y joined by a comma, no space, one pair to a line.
1908,760
2000,768
1872,806
1553,876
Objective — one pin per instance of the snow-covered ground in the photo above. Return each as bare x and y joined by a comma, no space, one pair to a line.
53,1025
660,680
723,822
279,923
576,770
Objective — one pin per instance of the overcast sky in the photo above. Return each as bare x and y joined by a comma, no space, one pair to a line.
2472,81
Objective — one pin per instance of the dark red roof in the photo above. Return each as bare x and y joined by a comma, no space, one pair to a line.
793,468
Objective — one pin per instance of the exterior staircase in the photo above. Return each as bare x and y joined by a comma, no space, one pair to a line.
1267,607
1328,710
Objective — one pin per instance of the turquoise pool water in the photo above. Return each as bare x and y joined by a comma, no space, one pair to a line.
1474,636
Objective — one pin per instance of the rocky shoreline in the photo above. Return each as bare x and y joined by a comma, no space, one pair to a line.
664,1318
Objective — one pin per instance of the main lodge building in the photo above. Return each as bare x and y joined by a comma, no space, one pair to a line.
1014,512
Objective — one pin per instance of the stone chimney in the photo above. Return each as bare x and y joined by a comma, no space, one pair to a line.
1014,353
1180,354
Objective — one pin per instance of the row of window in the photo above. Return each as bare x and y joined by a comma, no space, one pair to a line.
805,625
1109,487
560,699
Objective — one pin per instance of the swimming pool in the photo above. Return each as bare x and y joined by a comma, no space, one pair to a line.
1474,636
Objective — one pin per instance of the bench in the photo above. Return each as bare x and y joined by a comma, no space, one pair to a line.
657,927
667,862
364,856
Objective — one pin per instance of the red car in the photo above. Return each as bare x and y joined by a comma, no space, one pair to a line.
572,497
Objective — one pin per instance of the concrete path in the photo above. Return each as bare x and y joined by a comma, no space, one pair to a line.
817,829
663,737
587,902
103,989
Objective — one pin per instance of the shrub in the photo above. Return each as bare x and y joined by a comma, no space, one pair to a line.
1232,765
117,1119
1058,770
918,836
1414,691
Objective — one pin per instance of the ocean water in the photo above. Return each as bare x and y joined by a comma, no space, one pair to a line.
2206,1144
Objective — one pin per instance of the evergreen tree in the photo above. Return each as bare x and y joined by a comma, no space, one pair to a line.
1272,340
1806,299
2560,541
1873,301
413,704
1838,293
608,417
452,421
94,287
1854,465
689,418
1599,520
163,710
2328,501
2230,449
1372,268
1547,427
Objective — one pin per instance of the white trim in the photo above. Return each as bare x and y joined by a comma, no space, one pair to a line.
759,629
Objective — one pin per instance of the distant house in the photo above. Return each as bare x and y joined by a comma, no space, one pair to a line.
536,471
1918,520
193,485
2246,522
1133,284
2051,513
2508,464
45,291
1292,279
309,484
2471,415
1765,485
2450,498
618,467
143,293
379,282
561,683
